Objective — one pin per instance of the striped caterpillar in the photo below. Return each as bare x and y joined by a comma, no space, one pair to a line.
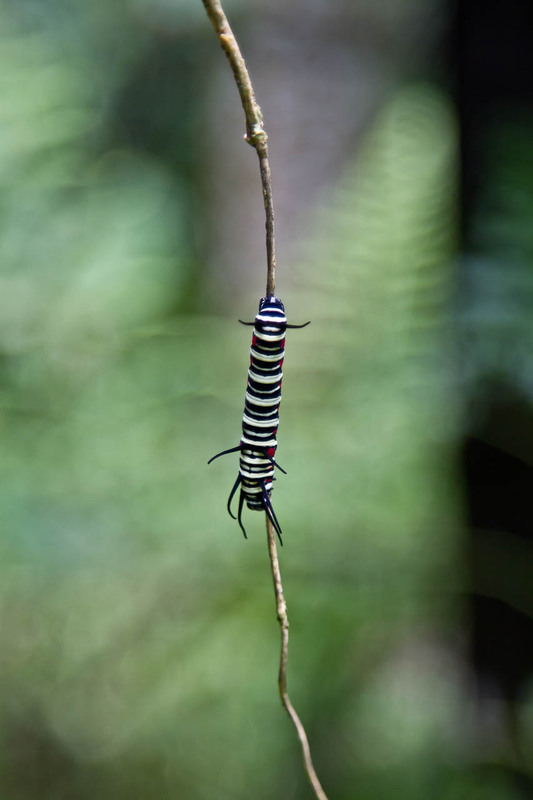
261,413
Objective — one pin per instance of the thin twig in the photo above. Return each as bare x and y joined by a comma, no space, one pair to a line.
281,608
256,136
255,133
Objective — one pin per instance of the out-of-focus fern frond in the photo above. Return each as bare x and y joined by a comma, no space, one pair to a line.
386,269
380,302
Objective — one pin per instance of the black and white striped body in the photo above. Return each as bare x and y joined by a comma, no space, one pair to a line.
261,409
261,412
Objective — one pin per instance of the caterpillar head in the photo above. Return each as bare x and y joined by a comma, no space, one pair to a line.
271,302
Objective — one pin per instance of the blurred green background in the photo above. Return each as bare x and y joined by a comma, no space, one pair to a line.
139,645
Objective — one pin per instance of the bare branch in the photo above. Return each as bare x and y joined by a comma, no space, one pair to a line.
256,136
281,608
255,133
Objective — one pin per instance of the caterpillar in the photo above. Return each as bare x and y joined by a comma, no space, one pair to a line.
260,420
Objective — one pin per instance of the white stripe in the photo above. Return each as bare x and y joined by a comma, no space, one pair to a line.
263,357
262,415
252,442
263,472
269,329
265,378
269,337
251,490
260,434
264,394
281,319
257,401
260,423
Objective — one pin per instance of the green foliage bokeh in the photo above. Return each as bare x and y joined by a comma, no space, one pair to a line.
138,638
